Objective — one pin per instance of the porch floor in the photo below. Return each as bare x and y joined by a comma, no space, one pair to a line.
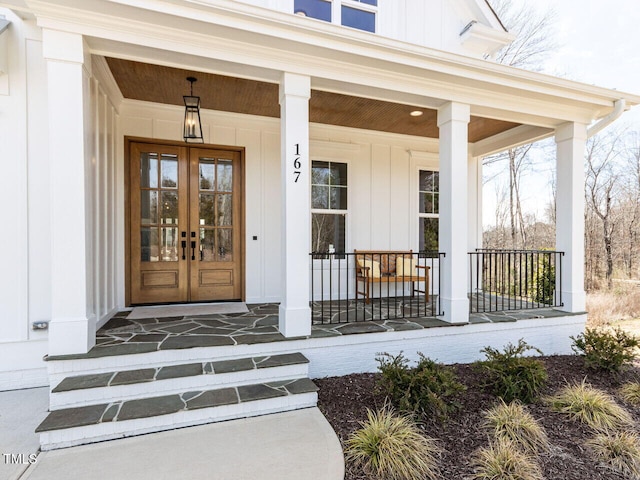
121,336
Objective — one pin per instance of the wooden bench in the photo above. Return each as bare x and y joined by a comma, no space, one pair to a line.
388,274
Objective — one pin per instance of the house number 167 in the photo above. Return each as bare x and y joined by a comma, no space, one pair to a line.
297,164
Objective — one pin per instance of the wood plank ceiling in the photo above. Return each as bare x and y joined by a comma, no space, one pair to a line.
159,84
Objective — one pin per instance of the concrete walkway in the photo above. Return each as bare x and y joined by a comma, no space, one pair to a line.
296,445
21,411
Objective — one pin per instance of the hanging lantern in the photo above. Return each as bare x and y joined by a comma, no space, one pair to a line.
192,124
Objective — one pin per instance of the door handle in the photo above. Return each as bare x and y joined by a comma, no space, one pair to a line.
193,249
184,245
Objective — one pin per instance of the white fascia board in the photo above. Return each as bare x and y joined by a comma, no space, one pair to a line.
485,40
485,14
512,138
280,41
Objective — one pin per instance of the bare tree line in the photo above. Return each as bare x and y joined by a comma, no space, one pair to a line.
612,173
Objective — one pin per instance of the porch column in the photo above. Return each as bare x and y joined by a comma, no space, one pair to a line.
453,121
570,144
71,329
295,314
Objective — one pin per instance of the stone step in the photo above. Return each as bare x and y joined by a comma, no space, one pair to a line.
88,424
89,389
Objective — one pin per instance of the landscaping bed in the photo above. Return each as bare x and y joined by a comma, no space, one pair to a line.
344,402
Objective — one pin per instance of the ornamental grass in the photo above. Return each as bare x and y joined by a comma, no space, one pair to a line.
620,451
502,460
512,422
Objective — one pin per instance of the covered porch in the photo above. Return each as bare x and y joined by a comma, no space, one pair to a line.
308,101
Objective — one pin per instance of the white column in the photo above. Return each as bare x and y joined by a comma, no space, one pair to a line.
295,314
570,144
453,121
71,329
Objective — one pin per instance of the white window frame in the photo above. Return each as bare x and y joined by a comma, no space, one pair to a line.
427,215
330,211
420,160
336,11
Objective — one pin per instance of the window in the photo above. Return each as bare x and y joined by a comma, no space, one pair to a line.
360,14
320,9
328,206
429,209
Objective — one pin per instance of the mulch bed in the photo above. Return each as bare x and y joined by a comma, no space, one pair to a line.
344,402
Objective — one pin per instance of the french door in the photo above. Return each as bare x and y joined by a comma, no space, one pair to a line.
185,232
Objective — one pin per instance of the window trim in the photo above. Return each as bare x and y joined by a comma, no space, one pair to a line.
419,160
336,12
345,213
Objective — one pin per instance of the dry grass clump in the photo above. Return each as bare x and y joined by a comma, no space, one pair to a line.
590,406
607,306
391,446
513,423
630,393
620,451
502,460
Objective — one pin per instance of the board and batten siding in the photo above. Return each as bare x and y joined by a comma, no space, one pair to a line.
25,286
382,176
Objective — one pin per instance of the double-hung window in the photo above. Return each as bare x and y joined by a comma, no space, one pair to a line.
429,209
328,206
360,14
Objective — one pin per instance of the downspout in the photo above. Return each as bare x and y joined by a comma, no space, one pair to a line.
618,109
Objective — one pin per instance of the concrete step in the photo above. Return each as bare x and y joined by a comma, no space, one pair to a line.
108,387
93,423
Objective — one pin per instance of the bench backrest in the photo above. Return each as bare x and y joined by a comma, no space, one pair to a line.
387,258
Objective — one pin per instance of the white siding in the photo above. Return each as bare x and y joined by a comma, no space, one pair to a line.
381,177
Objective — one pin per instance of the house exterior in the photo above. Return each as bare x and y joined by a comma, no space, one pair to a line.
338,112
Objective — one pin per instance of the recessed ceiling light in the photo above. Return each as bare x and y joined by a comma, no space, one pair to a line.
416,113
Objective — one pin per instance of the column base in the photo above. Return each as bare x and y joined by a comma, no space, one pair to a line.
294,322
456,310
574,302
69,336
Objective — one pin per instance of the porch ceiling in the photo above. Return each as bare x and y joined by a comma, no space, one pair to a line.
160,84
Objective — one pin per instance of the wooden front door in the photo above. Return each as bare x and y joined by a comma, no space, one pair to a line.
185,233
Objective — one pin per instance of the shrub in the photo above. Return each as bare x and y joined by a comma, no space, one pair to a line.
590,406
511,376
630,393
605,350
428,388
503,461
620,451
511,422
390,446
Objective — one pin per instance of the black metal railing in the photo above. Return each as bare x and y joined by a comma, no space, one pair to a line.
374,285
502,280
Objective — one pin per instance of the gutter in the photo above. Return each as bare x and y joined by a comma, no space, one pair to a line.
618,109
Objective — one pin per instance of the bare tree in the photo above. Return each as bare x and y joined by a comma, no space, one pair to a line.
534,30
534,41
601,184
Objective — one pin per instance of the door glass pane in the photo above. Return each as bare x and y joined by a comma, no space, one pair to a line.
148,170
207,174
225,175
169,171
207,245
170,241
224,244
207,209
148,207
149,244
169,208
224,210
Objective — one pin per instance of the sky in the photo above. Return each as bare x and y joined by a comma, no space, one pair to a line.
599,44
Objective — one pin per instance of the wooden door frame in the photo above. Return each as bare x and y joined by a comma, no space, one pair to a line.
128,140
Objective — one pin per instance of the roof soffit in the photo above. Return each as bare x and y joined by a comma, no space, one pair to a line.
273,39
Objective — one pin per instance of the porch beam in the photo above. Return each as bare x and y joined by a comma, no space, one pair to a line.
570,144
453,121
72,330
295,313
